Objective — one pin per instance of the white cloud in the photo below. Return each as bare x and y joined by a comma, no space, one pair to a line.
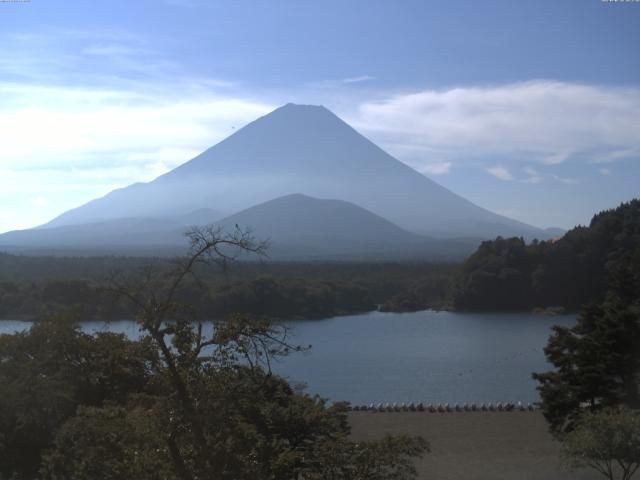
533,176
337,86
361,78
500,172
69,144
437,168
46,127
39,201
614,155
556,158
568,181
604,171
61,147
109,50
33,197
15,221
543,121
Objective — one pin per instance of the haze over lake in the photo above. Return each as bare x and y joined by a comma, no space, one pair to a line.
431,357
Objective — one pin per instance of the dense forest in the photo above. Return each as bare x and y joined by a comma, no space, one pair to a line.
37,287
508,274
177,403
591,396
503,274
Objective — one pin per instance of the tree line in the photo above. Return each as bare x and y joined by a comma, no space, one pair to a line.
278,290
509,274
591,398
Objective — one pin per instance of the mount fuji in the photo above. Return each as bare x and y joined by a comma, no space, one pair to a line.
294,149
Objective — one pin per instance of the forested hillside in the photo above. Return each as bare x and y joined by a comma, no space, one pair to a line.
37,287
508,274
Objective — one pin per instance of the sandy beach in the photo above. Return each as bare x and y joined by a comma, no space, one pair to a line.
475,445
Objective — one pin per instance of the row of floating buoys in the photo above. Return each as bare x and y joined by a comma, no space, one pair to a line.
444,407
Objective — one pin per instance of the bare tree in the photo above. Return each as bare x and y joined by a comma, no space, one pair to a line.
185,347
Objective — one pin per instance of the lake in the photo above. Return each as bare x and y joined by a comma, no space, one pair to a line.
430,357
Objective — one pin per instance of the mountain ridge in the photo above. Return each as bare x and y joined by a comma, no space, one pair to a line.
298,227
303,149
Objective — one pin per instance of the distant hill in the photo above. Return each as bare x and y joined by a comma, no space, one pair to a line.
307,149
149,236
314,221
576,269
297,226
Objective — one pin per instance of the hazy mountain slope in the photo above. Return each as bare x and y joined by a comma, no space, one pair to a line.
302,149
113,236
326,224
297,227
202,216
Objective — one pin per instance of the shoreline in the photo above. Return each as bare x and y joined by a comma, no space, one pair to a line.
535,312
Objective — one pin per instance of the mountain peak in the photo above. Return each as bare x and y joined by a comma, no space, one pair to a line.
302,113
299,107
306,149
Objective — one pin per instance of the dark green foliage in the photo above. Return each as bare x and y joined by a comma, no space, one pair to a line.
597,364
254,426
390,458
507,274
184,402
274,290
607,441
108,443
429,292
91,408
46,373
288,298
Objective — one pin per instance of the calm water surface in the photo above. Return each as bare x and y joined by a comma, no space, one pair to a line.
409,357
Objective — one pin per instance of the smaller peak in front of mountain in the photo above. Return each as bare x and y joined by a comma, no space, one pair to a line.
296,197
296,215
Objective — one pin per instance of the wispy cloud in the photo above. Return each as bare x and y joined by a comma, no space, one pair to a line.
39,201
568,181
361,78
542,121
500,173
82,112
533,176
110,50
69,144
76,126
338,83
556,158
437,168
616,154
119,59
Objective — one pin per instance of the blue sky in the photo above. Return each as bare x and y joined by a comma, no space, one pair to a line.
530,109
